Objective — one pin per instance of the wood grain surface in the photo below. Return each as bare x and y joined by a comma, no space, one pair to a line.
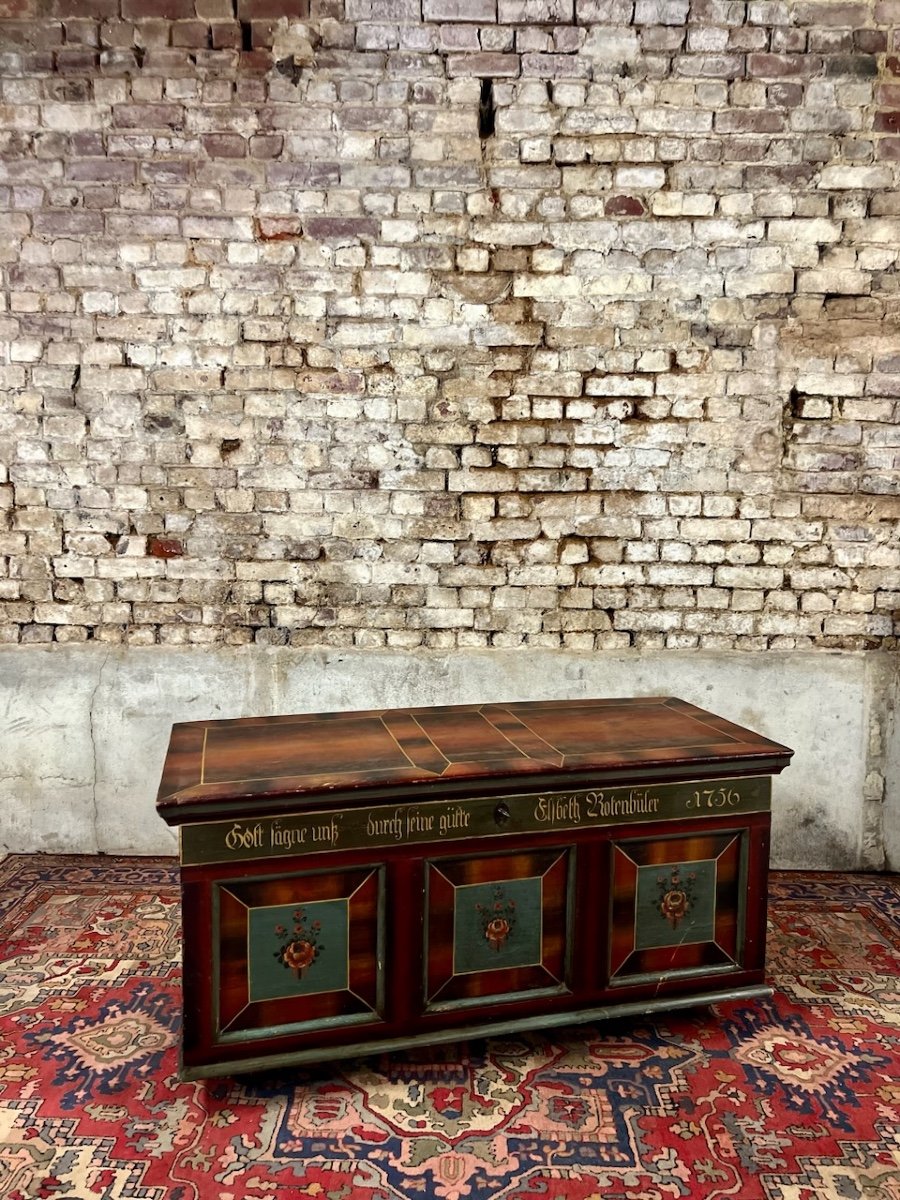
315,758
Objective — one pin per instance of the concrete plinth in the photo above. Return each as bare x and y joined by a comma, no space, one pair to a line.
84,730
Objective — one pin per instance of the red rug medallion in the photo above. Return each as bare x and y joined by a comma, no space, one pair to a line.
793,1099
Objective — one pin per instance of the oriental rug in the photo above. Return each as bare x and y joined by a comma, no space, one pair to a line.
797,1098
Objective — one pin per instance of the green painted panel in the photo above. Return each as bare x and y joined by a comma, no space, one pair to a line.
675,904
298,949
497,925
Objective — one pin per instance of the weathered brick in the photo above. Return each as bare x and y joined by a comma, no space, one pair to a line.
148,116
240,228
323,228
71,8
162,547
712,529
214,10
554,66
854,177
99,170
674,120
711,66
459,10
749,577
225,35
490,65
760,284
224,145
379,10
169,10
854,66
661,12
749,121
182,380
774,66
190,33
262,10
819,13
624,206
72,223
334,313
511,12
817,231
848,282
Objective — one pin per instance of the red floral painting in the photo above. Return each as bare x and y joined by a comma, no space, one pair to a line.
300,946
676,895
497,919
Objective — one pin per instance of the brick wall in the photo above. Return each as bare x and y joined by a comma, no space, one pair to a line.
450,323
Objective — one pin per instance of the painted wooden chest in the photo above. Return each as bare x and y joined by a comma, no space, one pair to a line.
361,881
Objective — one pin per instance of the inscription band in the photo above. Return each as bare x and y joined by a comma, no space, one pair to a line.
409,823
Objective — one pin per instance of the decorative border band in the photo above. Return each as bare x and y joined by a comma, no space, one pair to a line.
409,823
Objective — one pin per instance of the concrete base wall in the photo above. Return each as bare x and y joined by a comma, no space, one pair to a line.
84,730
891,806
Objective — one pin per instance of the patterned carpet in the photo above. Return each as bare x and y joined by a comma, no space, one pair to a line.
793,1099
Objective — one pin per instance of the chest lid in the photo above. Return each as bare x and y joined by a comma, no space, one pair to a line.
264,765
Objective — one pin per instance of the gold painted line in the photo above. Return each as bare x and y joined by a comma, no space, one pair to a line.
375,773
203,759
247,955
513,967
684,746
302,996
725,849
379,773
678,945
368,1007
399,746
248,910
557,753
541,910
634,923
230,1025
471,800
453,971
446,878
429,739
516,747
664,762
683,862
362,884
556,860
346,903
707,725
